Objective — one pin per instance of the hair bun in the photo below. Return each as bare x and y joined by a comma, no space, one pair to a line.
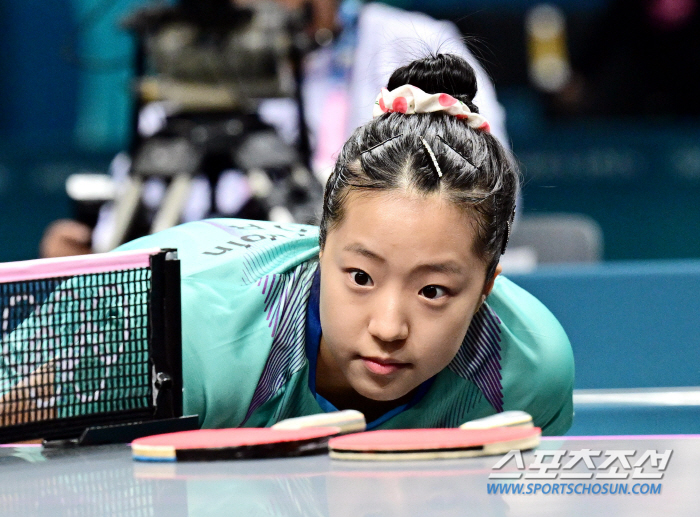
439,73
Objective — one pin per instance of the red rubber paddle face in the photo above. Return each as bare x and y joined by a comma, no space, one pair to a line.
426,440
219,444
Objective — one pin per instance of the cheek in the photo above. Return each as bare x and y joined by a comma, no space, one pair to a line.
441,339
339,316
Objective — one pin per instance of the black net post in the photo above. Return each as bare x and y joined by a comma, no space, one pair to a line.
166,332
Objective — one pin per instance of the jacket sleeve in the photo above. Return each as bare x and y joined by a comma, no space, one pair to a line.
537,366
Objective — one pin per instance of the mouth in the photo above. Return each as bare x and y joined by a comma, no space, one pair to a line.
382,366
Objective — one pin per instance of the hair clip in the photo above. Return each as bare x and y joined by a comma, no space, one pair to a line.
507,238
408,99
474,167
381,143
509,226
432,156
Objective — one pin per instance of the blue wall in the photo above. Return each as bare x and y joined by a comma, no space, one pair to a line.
39,87
631,324
64,107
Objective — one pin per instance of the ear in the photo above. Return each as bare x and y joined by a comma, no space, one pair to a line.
489,285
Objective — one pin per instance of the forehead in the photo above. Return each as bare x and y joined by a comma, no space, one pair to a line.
411,226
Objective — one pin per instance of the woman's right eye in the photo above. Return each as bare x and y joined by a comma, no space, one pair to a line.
361,278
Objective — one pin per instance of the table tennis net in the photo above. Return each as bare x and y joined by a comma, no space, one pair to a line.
83,340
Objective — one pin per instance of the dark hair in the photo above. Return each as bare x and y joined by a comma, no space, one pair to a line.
387,153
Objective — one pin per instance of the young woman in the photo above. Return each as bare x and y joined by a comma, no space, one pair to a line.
394,306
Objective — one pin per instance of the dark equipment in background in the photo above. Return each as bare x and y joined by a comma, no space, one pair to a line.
209,64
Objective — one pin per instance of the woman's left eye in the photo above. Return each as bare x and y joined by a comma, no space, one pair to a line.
361,278
433,292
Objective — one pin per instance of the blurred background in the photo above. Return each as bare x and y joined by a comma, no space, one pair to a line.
600,99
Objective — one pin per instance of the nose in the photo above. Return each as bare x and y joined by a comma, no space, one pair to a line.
388,321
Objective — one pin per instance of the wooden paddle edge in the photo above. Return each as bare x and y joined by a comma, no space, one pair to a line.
286,449
489,449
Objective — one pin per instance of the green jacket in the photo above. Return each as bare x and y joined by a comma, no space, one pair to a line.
245,287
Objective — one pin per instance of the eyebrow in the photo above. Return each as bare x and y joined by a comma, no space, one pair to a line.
361,250
448,267
442,267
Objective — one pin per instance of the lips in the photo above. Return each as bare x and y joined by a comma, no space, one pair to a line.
383,366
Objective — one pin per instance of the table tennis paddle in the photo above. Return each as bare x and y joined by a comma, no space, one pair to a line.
348,420
428,444
504,419
232,444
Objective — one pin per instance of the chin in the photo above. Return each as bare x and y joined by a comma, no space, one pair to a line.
381,394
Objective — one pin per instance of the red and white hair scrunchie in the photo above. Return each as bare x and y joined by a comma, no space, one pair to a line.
410,99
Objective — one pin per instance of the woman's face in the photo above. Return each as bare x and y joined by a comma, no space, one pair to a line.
399,286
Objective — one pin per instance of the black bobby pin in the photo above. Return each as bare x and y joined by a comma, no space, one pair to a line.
506,238
381,143
509,227
474,167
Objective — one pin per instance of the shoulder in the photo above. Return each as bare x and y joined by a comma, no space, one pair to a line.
235,246
526,318
537,364
517,356
244,284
